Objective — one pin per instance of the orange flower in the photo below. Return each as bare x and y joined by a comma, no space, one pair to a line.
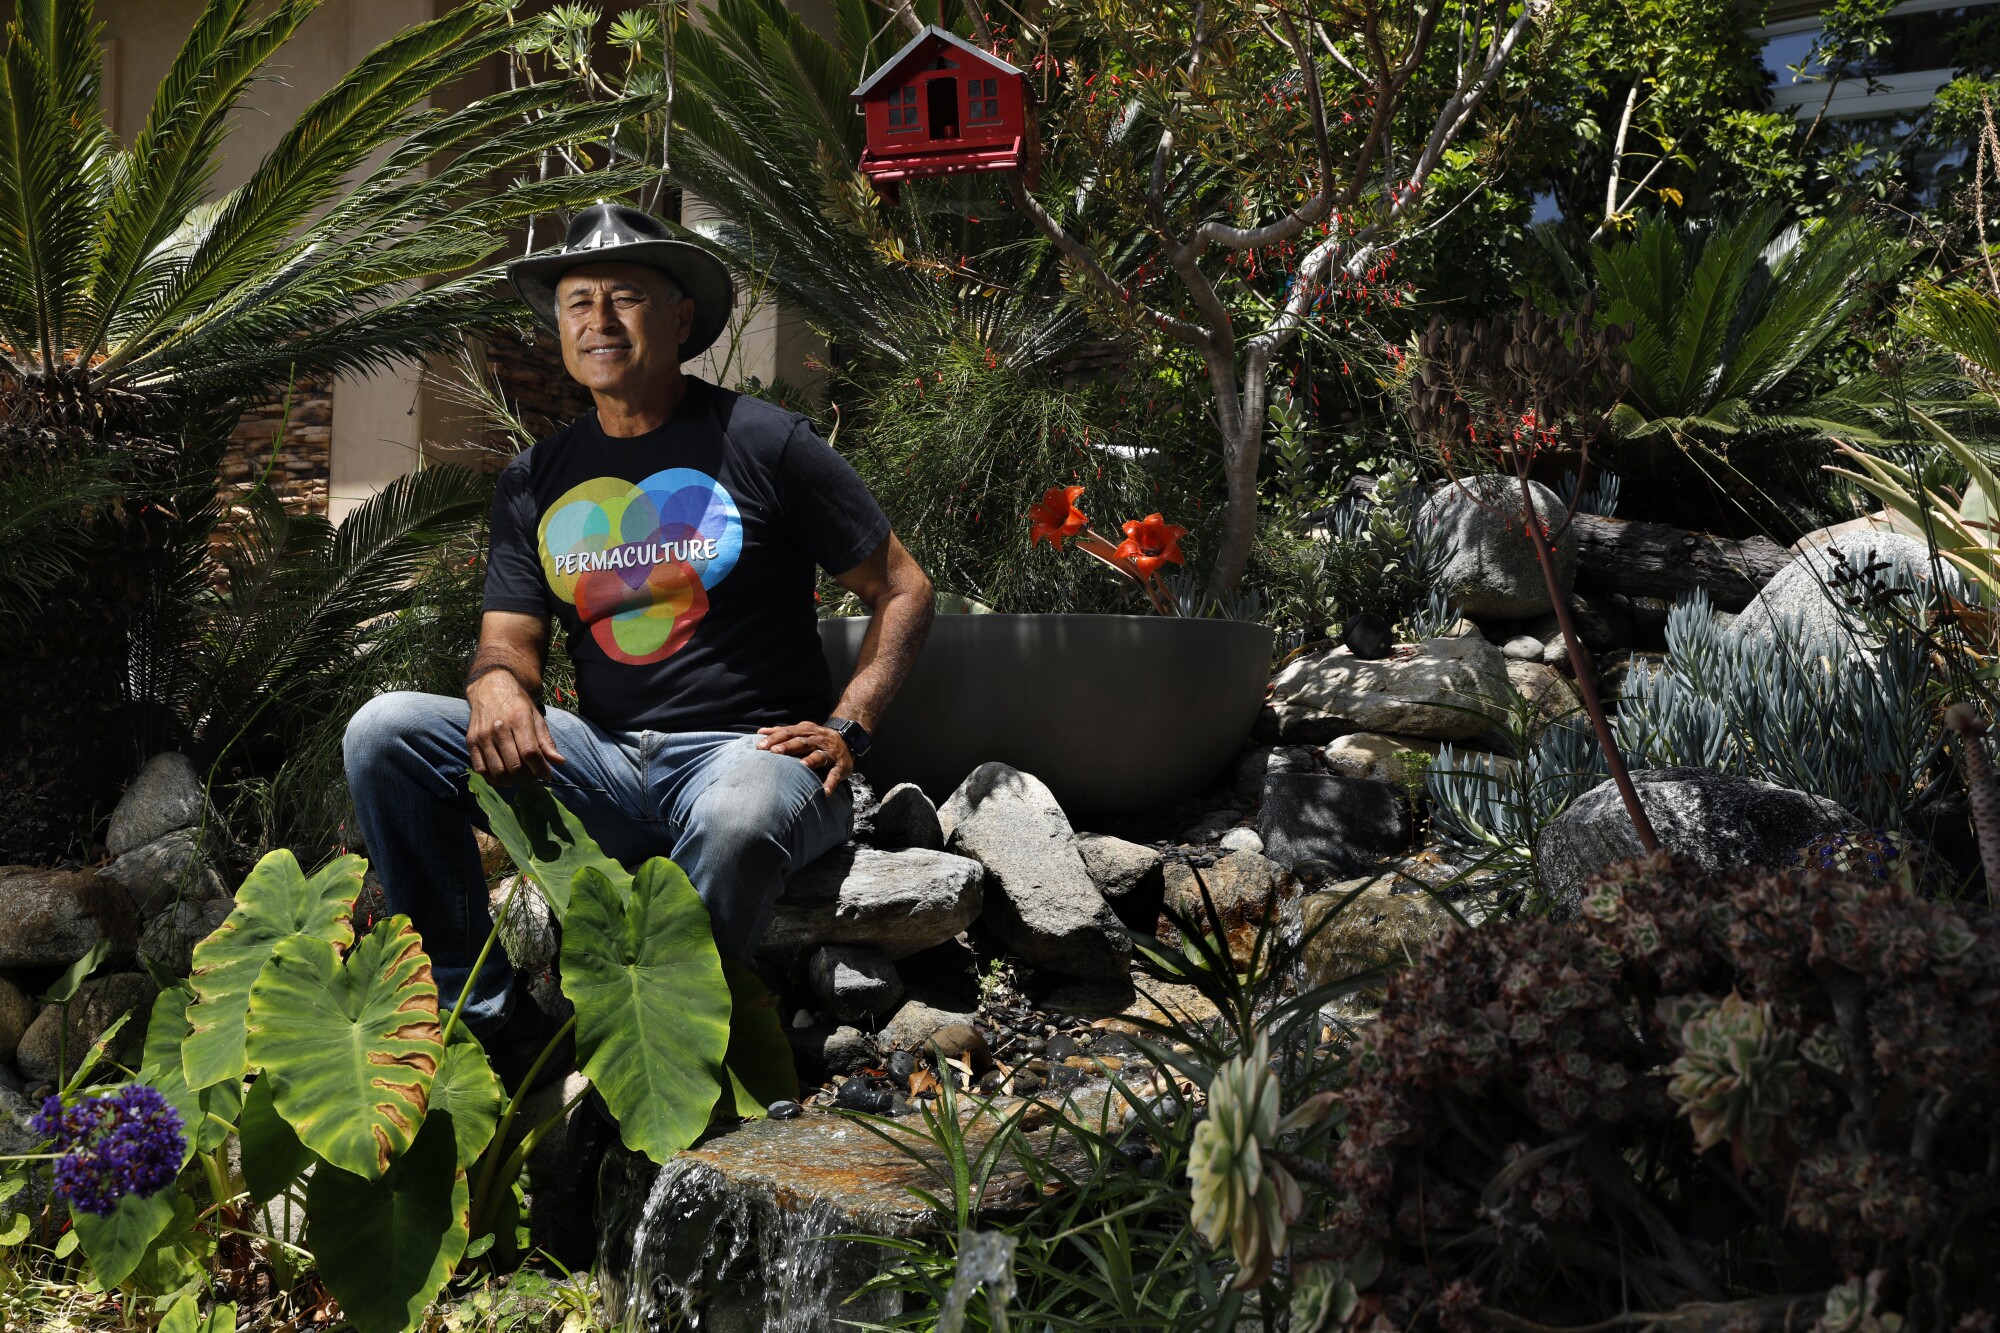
1150,542
1056,519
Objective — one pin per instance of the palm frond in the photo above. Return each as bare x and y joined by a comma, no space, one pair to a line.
300,591
1964,321
53,172
173,158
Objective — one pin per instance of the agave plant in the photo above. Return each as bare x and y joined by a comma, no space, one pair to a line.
1965,322
139,316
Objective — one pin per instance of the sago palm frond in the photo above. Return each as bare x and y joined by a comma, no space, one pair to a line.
1728,322
765,133
113,262
301,592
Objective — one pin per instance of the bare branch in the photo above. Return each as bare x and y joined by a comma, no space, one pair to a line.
1467,99
1618,154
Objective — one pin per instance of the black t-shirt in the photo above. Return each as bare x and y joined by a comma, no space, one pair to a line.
681,561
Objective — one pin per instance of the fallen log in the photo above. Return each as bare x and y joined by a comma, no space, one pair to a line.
1656,560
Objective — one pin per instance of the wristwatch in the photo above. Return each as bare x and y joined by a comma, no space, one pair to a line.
853,733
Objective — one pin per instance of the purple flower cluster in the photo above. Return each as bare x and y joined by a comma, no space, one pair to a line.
129,1142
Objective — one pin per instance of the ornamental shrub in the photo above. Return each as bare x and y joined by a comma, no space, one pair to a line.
1710,1085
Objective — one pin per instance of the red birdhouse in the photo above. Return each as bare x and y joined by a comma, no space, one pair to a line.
942,106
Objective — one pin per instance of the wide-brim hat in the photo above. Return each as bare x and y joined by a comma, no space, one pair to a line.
615,234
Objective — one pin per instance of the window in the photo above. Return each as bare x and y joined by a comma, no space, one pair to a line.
982,100
903,108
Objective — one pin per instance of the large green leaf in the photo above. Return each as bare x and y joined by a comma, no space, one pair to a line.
185,1316
467,1090
547,843
273,1157
652,1007
349,1048
385,1247
759,1061
205,1114
275,902
117,1242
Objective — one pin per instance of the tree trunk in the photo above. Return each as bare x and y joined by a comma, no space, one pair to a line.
1655,560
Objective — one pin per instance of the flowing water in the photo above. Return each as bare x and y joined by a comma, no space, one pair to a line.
738,1232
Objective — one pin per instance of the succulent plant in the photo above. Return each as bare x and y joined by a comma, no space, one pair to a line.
1734,1077
1529,1112
1242,1195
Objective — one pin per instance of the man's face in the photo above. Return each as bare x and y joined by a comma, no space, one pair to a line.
622,326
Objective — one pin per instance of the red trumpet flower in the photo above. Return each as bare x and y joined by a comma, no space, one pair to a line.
1151,542
1056,519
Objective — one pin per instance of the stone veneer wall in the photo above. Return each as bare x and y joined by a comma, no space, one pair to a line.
530,375
305,457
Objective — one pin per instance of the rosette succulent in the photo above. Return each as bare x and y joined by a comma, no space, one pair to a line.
1242,1194
1734,1077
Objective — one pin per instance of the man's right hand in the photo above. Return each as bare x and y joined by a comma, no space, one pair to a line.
508,737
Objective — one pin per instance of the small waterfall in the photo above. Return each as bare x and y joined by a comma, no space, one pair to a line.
704,1255
985,1259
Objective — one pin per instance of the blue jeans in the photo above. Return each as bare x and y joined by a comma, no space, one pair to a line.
735,818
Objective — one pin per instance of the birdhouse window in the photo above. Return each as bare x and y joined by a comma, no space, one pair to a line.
982,101
903,108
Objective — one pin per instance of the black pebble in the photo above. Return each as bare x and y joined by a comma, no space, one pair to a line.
990,1081
1026,1082
1367,635
856,1095
1134,1150
784,1110
1061,1047
901,1065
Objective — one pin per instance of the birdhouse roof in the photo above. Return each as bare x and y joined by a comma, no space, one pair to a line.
909,48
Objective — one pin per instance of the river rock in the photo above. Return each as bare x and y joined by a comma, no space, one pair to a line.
170,937
1440,689
53,917
97,1005
917,1022
1258,760
17,1011
1240,840
907,818
1718,820
1242,886
1546,689
1118,868
854,983
1379,928
1372,755
1040,900
165,796
898,902
1522,648
1346,822
1493,571
166,870
1801,596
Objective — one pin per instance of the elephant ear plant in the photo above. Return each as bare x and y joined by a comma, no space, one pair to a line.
354,1092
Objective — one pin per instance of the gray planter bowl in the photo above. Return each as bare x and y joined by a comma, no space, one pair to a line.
1117,714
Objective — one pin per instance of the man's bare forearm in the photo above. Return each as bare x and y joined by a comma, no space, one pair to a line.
889,648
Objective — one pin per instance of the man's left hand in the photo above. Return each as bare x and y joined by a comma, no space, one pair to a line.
819,748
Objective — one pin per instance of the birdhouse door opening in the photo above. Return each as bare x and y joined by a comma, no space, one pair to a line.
941,102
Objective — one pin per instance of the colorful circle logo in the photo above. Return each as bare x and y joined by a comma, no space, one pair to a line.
636,559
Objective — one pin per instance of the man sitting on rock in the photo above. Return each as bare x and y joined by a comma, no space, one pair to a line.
675,532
